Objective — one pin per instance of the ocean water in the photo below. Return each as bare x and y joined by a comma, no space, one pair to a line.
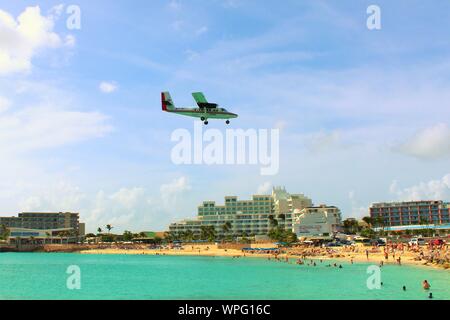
43,276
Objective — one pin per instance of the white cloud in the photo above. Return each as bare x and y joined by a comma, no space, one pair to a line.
132,208
357,211
264,188
201,31
107,87
174,5
430,143
177,25
4,104
35,128
22,38
431,190
128,197
60,197
170,192
322,141
231,3
56,11
70,40
47,119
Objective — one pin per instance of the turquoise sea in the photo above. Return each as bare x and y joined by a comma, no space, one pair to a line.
43,276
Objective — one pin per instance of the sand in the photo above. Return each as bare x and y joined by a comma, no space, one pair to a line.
376,255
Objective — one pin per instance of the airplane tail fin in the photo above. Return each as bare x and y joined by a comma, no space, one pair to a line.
167,102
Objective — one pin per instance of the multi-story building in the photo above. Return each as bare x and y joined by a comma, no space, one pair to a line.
388,214
317,221
246,217
45,221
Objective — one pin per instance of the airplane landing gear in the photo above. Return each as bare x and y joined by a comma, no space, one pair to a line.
206,122
202,118
227,122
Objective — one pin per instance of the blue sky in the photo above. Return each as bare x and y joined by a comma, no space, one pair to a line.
363,115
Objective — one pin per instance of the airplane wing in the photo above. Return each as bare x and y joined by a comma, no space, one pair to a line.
202,102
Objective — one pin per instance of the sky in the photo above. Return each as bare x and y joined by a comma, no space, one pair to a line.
363,115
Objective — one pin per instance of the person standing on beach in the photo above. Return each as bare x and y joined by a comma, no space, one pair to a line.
367,254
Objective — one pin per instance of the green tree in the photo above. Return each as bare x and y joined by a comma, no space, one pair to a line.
142,234
291,237
127,235
368,233
368,220
208,233
350,226
4,232
226,227
109,228
99,230
188,235
272,221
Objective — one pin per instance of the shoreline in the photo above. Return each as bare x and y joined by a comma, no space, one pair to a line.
348,257
344,254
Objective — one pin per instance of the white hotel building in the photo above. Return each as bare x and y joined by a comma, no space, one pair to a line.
247,217
316,221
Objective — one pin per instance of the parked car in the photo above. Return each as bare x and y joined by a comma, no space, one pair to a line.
333,244
379,242
417,241
437,242
362,241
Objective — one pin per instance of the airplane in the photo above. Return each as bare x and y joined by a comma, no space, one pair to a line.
205,110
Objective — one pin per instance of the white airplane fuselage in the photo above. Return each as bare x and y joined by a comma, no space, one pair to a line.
204,113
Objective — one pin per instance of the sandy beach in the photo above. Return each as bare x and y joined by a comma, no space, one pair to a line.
345,254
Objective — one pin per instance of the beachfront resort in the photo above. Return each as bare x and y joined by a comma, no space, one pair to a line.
276,216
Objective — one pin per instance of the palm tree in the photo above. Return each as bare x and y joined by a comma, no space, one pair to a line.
226,227
142,234
61,236
272,221
188,235
99,230
207,233
109,227
47,234
4,232
368,220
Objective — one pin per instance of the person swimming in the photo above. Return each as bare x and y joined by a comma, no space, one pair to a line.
430,296
404,288
426,285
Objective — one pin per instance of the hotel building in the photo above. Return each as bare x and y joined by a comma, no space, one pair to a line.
43,225
317,221
246,217
411,213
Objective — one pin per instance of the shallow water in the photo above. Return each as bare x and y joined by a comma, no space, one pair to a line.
43,276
